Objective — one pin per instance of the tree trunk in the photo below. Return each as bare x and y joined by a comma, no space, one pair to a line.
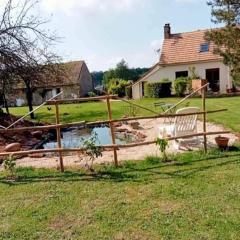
5,103
29,96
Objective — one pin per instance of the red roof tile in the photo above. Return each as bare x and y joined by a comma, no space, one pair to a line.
185,48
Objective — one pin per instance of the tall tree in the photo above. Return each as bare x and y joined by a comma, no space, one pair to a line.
122,70
97,78
227,38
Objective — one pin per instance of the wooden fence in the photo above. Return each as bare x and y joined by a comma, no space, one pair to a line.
114,147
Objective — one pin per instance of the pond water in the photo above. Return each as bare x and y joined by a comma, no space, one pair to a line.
72,138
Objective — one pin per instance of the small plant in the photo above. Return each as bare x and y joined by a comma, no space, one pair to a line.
91,150
180,86
163,144
10,165
193,73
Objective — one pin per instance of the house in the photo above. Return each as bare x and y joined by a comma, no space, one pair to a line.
179,53
75,81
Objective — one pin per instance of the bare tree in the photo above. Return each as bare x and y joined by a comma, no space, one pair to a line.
25,44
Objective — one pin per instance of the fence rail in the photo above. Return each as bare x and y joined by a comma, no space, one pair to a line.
89,124
77,100
110,147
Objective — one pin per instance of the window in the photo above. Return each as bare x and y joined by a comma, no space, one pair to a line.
181,74
58,90
204,47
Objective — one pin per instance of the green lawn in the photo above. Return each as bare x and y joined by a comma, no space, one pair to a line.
98,111
195,197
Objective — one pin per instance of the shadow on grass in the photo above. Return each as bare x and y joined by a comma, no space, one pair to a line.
146,171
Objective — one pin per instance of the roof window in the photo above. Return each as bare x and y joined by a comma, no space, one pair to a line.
204,47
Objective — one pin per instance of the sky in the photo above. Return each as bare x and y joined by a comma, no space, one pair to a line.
102,32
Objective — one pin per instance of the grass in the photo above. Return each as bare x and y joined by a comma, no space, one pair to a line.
194,197
97,111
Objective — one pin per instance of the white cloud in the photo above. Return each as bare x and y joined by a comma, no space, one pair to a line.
90,5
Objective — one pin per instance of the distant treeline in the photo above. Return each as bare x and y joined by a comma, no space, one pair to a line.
121,71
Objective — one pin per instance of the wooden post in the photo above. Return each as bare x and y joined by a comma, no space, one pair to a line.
112,131
204,118
58,129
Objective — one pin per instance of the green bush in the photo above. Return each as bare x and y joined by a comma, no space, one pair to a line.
158,89
91,94
117,87
180,86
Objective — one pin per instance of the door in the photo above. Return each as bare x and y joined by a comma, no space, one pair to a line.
213,77
143,90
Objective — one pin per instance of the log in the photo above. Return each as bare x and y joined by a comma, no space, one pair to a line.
58,129
77,100
83,123
112,131
107,147
204,117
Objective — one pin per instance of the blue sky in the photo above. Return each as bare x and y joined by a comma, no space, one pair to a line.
102,32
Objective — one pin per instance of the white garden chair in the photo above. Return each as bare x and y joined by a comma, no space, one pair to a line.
182,125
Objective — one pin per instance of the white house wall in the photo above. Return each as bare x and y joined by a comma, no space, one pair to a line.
170,73
136,91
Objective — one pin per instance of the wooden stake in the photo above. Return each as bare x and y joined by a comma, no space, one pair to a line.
58,129
204,118
111,124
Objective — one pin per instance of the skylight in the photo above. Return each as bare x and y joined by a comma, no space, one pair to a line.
204,47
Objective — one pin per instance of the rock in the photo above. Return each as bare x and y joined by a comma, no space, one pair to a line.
37,134
117,124
13,147
120,130
135,125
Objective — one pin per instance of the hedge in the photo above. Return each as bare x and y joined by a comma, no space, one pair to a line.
158,89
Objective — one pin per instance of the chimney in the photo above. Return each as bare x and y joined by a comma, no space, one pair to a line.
167,31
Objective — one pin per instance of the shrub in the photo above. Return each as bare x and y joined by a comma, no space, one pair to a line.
9,165
92,150
91,94
117,86
163,144
180,86
158,89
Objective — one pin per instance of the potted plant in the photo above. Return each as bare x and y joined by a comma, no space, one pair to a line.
196,80
222,142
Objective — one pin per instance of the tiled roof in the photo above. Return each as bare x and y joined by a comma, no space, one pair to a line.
65,74
69,74
185,48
